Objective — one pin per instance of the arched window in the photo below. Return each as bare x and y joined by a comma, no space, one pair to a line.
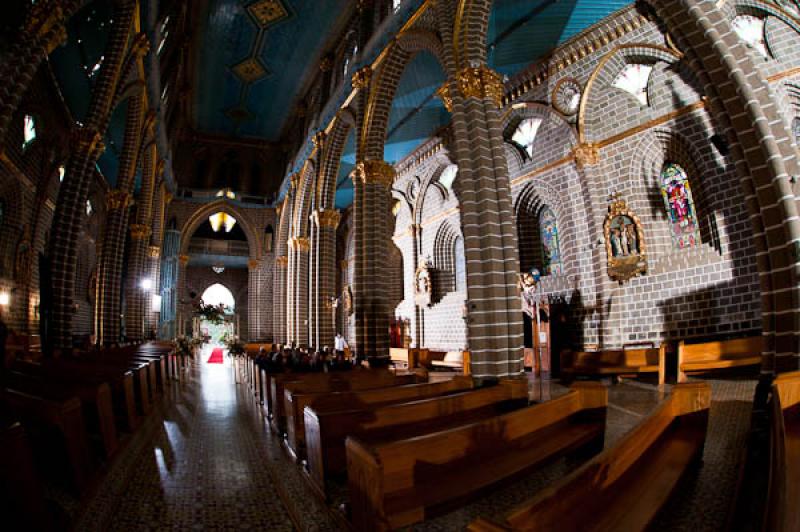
633,79
750,29
460,265
551,252
679,204
29,131
525,135
216,295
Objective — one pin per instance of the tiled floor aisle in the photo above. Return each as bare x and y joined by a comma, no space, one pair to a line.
199,466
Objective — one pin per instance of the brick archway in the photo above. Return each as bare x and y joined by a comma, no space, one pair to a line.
202,214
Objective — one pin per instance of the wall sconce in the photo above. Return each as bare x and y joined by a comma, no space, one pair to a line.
146,284
5,299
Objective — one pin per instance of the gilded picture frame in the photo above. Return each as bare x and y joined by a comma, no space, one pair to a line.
626,247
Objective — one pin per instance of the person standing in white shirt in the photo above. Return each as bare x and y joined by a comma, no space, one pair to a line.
339,344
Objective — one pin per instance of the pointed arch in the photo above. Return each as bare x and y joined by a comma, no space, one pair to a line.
201,215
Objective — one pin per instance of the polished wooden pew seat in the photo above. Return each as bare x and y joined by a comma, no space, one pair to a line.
783,508
724,354
614,362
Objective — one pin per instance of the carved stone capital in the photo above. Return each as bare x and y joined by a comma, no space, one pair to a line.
481,82
375,173
326,218
118,200
282,262
362,77
154,252
300,243
252,264
443,93
87,140
140,231
184,259
586,154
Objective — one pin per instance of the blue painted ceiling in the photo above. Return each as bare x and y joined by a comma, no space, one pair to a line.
251,69
520,31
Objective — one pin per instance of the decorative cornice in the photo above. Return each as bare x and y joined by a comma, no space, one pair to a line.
282,262
140,231
326,218
586,154
118,199
184,259
375,173
443,93
481,82
154,252
362,77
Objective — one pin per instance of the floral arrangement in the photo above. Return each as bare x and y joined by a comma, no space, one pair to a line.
186,347
212,313
235,346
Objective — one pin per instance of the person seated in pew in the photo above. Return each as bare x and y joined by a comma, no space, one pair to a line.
340,363
263,360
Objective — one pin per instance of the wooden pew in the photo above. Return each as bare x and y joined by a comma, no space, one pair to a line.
614,362
58,434
327,430
360,379
296,401
400,483
624,487
95,399
140,370
718,355
21,494
402,356
452,360
783,506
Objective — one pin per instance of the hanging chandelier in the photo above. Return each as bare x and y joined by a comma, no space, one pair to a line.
220,220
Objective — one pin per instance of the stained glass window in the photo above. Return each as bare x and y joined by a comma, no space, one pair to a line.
633,79
29,130
751,30
551,253
679,204
525,134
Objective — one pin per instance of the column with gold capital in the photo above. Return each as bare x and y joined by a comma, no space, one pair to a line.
372,182
279,299
299,248
323,276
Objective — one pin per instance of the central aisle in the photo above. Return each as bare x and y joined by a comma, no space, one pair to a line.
199,463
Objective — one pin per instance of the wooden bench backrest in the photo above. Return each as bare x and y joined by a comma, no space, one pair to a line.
618,357
721,350
360,380
454,356
783,513
398,459
589,481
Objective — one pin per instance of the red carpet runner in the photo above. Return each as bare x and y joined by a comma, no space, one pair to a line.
216,356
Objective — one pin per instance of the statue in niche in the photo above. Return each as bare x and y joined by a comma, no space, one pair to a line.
423,288
625,245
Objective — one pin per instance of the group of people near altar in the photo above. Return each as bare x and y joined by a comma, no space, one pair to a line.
306,359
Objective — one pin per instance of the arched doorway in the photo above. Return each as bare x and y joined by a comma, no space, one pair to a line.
215,332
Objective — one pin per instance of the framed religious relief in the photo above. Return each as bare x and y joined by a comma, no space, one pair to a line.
423,289
625,244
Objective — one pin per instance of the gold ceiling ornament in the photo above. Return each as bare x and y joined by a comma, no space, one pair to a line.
326,65
118,199
154,252
268,12
326,218
481,82
282,262
625,244
140,231
46,21
586,154
375,173
443,93
184,259
319,140
362,77
87,140
252,264
250,70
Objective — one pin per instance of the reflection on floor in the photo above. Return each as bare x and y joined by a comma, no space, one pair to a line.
210,461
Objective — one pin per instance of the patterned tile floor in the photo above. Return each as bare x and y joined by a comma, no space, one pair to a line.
208,461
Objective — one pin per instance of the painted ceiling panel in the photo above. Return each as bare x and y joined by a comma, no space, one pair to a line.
253,61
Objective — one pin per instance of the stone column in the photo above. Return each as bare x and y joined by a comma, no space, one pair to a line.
299,279
181,295
323,279
85,150
487,221
136,295
256,299
291,283
279,319
372,181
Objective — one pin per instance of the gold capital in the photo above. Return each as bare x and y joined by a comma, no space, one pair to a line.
282,262
118,199
87,140
586,154
140,231
184,259
361,78
481,82
375,173
154,252
443,93
252,264
295,180
326,218
300,243
318,139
